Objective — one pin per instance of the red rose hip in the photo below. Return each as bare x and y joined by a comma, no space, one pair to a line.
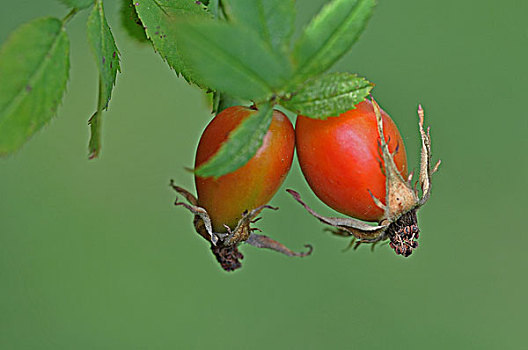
340,159
252,185
227,206
356,171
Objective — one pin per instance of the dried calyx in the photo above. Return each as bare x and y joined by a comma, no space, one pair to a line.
399,222
225,245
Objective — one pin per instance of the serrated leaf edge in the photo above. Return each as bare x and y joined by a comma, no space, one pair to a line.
362,85
189,79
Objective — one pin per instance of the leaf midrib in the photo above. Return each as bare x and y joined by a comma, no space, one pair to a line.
330,97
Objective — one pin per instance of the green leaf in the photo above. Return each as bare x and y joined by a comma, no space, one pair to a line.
329,95
273,20
158,17
107,58
104,48
131,22
34,65
231,59
330,35
242,144
80,4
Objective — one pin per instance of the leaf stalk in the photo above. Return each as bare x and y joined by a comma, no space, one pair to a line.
69,16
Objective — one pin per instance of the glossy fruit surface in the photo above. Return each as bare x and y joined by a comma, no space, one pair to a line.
252,185
340,158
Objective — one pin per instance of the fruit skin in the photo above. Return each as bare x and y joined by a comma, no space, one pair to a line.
252,185
340,158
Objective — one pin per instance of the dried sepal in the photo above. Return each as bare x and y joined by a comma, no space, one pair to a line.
261,241
186,194
357,228
400,196
224,245
425,178
378,203
243,229
198,212
425,164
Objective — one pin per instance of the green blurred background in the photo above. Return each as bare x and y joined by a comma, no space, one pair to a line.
93,255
